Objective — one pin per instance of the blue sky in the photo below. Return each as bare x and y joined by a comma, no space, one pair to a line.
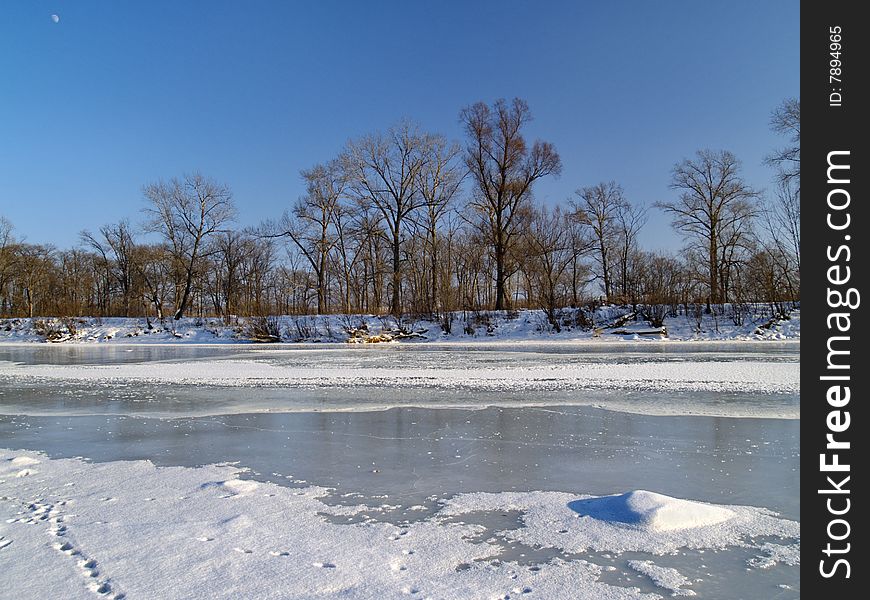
120,93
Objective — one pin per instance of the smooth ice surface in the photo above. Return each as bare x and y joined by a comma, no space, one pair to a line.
130,529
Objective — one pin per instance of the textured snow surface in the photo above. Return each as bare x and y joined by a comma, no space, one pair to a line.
664,577
73,529
756,376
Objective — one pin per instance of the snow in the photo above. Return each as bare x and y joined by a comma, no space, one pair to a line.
74,529
651,511
756,376
636,521
773,554
491,326
663,577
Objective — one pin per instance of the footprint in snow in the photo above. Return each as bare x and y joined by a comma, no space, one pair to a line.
323,565
243,550
101,587
89,566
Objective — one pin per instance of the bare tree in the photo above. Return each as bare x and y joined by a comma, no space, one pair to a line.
153,263
786,120
311,223
503,169
35,266
382,172
550,251
630,220
115,245
598,209
232,252
714,202
8,259
439,182
187,212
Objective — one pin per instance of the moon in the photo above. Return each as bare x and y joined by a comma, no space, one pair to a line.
55,18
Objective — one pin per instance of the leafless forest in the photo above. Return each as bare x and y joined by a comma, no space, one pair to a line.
406,221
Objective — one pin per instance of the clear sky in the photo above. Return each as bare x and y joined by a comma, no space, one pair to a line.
119,93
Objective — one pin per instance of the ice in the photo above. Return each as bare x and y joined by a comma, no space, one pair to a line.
668,375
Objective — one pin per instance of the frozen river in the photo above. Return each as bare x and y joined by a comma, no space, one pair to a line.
400,430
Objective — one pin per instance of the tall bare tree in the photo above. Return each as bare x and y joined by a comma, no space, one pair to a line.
439,181
311,224
382,172
714,203
115,245
598,209
187,212
630,220
503,169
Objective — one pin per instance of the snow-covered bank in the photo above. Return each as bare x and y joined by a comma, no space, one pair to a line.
73,529
755,376
609,324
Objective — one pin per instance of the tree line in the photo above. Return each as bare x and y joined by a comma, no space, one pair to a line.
405,221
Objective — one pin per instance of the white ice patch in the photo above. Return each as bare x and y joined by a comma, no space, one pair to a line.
772,554
663,577
754,376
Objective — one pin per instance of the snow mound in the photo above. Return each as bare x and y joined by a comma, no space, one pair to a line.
637,521
651,511
235,487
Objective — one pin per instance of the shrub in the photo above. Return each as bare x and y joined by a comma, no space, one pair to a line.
264,329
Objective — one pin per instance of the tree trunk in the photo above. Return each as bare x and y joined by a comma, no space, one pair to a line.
714,273
395,307
433,308
500,277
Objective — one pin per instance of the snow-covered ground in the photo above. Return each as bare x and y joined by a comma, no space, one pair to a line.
608,325
73,529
